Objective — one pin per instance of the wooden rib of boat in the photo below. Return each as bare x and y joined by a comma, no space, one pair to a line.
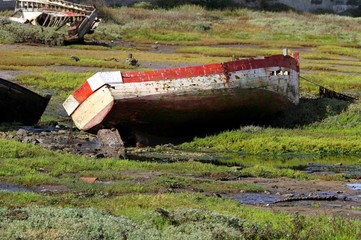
81,19
19,104
188,100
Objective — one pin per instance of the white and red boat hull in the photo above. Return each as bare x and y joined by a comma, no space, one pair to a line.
183,101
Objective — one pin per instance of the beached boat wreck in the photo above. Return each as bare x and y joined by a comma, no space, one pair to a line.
19,104
187,101
80,19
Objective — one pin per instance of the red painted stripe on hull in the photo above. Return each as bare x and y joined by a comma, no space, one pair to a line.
277,60
83,92
188,72
173,73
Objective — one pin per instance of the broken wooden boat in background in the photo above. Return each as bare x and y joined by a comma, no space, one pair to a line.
186,101
81,19
20,105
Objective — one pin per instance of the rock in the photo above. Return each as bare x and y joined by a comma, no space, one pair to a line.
155,45
22,132
110,137
30,139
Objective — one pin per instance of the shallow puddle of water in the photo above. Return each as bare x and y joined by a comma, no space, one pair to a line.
13,188
254,198
352,170
354,186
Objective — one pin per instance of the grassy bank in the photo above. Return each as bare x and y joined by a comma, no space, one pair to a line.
235,222
218,219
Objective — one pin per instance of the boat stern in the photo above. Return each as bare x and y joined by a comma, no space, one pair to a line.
87,99
94,109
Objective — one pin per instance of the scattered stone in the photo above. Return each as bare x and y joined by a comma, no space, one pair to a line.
30,139
110,137
22,132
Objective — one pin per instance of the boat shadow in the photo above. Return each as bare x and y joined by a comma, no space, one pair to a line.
308,111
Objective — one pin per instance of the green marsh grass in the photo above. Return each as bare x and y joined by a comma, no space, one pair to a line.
29,57
268,222
332,80
228,51
280,141
354,52
197,25
57,57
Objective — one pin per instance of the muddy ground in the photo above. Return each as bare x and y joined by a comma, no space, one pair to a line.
306,197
